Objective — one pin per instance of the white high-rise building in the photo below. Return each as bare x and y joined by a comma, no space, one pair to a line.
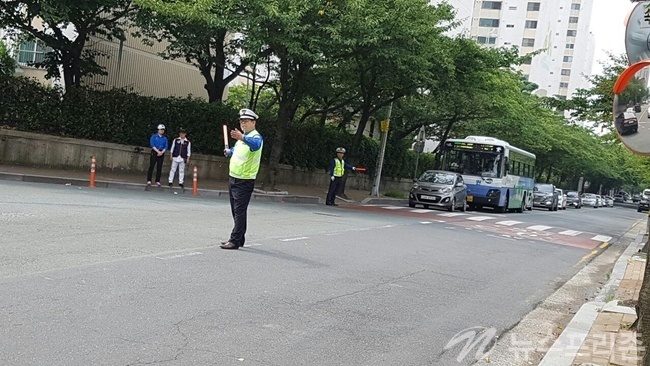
557,29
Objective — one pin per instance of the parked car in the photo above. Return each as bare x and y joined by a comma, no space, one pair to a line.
626,123
644,205
544,195
590,199
437,188
637,108
619,198
573,199
561,198
636,198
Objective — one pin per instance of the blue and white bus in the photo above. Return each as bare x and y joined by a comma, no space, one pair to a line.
496,174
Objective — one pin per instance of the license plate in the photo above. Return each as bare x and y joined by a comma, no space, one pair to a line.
429,198
470,198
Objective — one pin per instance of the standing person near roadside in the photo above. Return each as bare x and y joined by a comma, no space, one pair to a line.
245,158
337,170
159,145
181,152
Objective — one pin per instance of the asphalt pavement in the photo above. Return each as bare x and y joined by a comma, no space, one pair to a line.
110,277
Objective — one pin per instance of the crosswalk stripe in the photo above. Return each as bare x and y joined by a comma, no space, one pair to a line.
481,218
425,222
539,227
570,232
420,211
602,238
509,223
394,207
452,214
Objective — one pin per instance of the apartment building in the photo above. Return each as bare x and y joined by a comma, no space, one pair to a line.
557,29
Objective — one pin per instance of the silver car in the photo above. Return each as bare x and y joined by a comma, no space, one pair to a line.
437,188
590,199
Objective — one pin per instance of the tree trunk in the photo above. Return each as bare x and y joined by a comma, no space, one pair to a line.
356,143
443,138
371,134
550,174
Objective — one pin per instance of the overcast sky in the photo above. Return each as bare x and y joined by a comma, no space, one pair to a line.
607,25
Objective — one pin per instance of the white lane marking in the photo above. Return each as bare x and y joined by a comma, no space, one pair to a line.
452,214
294,239
499,237
421,210
387,226
570,232
442,221
539,227
481,218
426,222
602,238
180,255
509,222
394,207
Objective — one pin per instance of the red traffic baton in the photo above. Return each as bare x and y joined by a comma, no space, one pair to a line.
360,169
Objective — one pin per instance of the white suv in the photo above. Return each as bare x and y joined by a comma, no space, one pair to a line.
561,199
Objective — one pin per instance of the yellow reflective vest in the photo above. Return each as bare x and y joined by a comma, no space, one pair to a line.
244,163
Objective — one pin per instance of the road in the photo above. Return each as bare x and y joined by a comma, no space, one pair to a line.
107,277
639,141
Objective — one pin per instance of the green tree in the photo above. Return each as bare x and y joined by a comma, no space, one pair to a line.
7,63
213,42
103,18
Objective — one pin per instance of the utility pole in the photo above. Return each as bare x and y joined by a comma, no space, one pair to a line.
418,148
382,150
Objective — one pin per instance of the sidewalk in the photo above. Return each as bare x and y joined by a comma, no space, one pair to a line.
600,333
207,187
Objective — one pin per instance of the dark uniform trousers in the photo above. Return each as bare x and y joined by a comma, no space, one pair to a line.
335,187
240,191
158,161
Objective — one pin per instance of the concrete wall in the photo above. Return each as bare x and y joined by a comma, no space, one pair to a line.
31,149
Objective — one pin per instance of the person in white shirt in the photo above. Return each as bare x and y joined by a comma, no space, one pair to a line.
181,152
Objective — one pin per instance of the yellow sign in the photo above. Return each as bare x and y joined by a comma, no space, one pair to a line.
384,125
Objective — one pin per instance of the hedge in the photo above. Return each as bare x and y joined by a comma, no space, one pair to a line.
127,118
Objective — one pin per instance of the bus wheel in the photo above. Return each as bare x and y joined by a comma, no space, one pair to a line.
503,209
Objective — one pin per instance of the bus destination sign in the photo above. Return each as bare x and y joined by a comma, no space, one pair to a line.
470,146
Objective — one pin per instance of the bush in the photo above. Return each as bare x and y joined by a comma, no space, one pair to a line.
127,118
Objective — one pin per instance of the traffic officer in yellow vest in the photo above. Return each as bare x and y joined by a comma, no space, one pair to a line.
245,159
337,170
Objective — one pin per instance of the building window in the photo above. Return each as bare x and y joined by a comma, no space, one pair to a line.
487,22
575,6
32,52
496,5
570,46
528,42
566,72
573,20
532,24
510,25
564,85
567,59
533,6
571,33
486,40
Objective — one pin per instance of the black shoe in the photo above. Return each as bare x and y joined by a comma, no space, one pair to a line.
229,245
182,186
170,185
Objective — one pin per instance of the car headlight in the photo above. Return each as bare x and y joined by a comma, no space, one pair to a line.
415,186
445,190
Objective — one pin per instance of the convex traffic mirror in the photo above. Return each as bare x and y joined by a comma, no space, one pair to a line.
631,108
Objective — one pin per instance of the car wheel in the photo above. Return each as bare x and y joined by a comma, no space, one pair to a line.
411,204
638,210
452,207
550,208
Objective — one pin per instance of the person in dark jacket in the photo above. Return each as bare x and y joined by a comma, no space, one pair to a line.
180,155
159,146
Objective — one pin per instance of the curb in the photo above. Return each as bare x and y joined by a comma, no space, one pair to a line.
565,349
385,201
207,193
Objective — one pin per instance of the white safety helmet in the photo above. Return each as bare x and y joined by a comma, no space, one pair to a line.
248,114
161,126
340,150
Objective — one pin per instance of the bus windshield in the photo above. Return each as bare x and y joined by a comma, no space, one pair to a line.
484,164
